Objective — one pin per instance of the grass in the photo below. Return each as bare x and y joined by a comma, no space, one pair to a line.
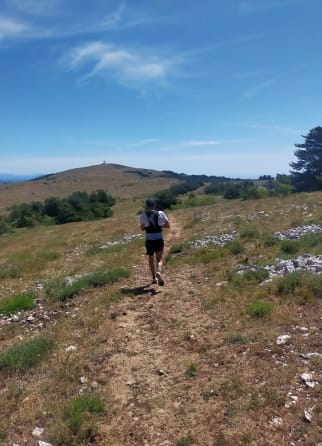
16,303
237,383
236,338
259,310
76,411
26,355
61,291
192,371
186,441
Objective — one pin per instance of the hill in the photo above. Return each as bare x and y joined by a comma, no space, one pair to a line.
120,181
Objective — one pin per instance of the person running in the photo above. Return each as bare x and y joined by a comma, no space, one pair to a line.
152,222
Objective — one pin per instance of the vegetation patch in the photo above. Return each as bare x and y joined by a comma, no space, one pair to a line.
78,409
251,276
79,206
186,441
61,291
236,338
259,310
26,355
16,303
192,371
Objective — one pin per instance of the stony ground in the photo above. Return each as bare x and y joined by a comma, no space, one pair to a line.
174,380
182,364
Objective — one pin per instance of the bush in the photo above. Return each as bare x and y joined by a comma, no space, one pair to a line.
26,355
249,233
258,276
17,303
78,416
289,283
269,240
259,310
235,247
290,246
61,291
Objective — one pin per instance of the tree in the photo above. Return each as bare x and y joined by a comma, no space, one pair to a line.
307,170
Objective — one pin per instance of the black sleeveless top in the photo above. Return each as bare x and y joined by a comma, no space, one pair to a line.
153,220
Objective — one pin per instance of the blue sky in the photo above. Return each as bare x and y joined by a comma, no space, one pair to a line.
208,87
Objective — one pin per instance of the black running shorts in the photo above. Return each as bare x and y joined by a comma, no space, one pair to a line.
153,246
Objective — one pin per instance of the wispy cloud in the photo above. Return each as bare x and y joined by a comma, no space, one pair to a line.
144,142
133,68
252,92
206,142
255,6
10,27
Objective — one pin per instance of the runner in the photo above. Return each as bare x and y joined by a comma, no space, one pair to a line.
152,222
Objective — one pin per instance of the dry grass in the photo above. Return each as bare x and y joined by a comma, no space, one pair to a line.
187,363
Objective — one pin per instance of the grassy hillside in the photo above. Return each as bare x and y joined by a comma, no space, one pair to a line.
121,182
92,353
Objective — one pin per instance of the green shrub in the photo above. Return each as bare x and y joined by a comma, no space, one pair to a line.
269,240
315,285
259,310
77,411
257,276
10,271
290,246
100,278
191,371
176,249
17,303
59,290
289,283
236,339
186,441
235,247
26,355
249,233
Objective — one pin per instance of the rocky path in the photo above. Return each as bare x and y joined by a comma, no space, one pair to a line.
154,340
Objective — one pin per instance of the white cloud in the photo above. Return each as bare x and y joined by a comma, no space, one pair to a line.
209,142
132,68
10,27
252,92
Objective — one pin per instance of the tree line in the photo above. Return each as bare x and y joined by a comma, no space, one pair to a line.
79,206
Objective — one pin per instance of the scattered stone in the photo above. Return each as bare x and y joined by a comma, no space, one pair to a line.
283,340
38,431
220,240
308,356
276,422
71,348
126,239
307,378
43,443
83,379
308,414
161,372
298,232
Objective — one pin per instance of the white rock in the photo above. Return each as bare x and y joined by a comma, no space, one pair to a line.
83,379
307,378
43,443
283,339
71,348
307,415
276,422
38,431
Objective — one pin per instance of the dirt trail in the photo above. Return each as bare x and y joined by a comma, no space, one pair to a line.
153,344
